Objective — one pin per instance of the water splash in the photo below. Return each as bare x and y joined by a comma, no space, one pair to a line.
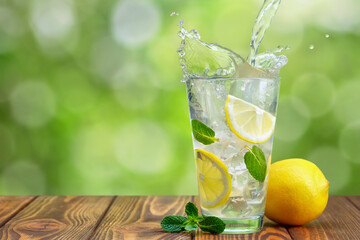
271,61
262,23
199,59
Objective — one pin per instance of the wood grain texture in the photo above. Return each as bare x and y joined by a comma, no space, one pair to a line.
355,200
340,220
57,217
270,230
11,205
140,217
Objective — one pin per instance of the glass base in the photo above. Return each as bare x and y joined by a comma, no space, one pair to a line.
242,226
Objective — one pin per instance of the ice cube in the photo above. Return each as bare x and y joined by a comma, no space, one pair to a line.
254,191
239,174
236,207
238,180
225,149
235,162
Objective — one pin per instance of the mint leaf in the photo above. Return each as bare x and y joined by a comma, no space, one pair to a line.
191,226
176,223
173,223
191,210
203,133
256,163
199,218
212,224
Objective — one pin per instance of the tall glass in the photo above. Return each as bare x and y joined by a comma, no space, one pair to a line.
227,189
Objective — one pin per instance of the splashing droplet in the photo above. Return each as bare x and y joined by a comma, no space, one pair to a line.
174,13
311,47
327,35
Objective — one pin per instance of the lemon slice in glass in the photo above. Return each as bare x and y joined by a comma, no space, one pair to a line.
213,179
248,121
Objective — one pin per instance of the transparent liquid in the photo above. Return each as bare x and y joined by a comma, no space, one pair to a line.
212,72
262,23
206,103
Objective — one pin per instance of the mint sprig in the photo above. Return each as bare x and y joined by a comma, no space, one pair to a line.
173,223
177,223
203,133
256,163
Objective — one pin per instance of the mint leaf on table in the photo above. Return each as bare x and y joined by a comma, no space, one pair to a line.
256,163
212,224
191,225
177,223
191,210
203,133
174,223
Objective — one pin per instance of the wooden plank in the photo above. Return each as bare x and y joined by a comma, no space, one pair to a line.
11,205
57,217
139,218
340,220
355,200
270,230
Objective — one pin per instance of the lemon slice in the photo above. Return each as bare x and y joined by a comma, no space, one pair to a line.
248,121
213,179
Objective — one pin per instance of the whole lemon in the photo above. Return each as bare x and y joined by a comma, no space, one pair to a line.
297,192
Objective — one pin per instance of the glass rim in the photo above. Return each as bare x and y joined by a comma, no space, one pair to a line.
230,78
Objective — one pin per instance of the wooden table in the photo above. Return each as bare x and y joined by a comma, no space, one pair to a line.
138,217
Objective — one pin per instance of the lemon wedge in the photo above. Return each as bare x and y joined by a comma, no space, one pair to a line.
247,121
213,179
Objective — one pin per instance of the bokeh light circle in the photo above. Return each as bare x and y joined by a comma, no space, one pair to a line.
134,22
316,91
347,102
292,119
32,103
143,147
349,142
133,87
292,19
332,163
106,57
52,19
23,178
342,16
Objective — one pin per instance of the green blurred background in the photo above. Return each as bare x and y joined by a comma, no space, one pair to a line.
91,100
